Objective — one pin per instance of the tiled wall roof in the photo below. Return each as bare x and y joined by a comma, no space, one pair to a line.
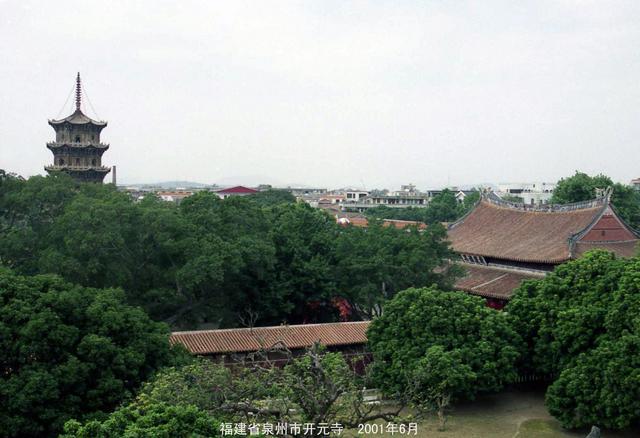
257,338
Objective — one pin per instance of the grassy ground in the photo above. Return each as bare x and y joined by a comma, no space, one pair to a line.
509,414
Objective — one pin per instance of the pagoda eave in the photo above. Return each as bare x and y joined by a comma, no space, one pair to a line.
75,145
78,169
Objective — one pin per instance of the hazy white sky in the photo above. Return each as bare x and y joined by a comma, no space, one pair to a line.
330,93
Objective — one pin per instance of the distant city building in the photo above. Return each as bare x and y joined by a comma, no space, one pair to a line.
535,193
301,192
235,191
355,195
407,196
635,183
77,150
173,196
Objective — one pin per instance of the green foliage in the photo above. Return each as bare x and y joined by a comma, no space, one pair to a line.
416,320
512,198
582,187
404,214
147,420
271,197
581,325
69,351
440,376
206,261
304,240
379,261
444,207
316,387
322,386
471,200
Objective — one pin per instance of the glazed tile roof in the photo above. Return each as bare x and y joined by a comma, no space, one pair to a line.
519,234
493,282
257,338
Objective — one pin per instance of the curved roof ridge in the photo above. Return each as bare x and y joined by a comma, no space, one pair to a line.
494,199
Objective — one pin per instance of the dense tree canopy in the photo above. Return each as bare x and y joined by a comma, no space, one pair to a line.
208,261
143,419
477,339
377,262
581,325
69,351
582,187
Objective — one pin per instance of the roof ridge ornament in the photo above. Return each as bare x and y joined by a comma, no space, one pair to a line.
599,201
78,92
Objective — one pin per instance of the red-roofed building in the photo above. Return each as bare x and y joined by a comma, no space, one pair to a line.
501,244
235,191
231,346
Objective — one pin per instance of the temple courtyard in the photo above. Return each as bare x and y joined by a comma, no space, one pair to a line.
509,414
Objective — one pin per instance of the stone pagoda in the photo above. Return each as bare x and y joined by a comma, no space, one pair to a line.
77,150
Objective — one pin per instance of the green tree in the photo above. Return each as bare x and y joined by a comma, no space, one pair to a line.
377,262
563,314
405,214
317,386
582,327
270,197
600,386
304,240
69,351
143,419
444,207
417,319
471,200
439,377
582,187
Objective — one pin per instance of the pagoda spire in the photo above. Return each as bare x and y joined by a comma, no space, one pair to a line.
78,92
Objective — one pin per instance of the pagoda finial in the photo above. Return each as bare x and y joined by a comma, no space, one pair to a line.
78,92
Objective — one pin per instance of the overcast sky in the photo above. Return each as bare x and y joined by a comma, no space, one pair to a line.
330,93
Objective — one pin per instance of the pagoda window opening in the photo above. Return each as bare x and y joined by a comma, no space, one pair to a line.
93,162
77,139
61,161
77,161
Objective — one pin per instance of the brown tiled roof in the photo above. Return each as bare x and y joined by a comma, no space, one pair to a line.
520,234
493,282
258,338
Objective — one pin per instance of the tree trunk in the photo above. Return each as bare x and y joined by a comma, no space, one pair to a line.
443,402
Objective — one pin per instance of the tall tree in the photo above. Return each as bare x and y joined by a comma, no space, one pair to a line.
377,262
582,328
470,333
582,187
69,351
444,207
